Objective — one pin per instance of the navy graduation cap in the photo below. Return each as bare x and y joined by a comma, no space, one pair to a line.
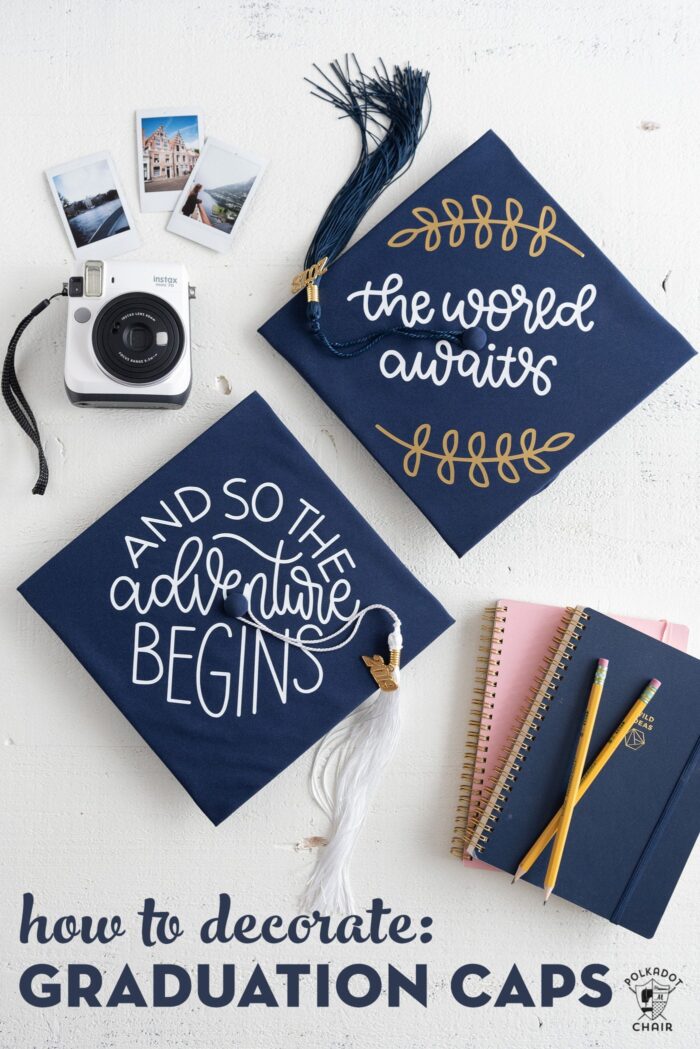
476,341
161,597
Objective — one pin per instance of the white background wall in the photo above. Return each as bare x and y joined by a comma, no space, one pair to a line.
91,821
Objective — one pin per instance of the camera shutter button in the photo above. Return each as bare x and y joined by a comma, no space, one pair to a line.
82,315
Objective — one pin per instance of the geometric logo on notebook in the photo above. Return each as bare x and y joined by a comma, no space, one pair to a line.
635,739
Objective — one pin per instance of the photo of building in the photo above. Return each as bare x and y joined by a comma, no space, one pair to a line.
169,153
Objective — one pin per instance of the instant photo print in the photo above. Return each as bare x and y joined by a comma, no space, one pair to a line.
168,144
92,207
216,194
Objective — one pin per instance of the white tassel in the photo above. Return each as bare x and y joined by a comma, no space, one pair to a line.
350,760
347,768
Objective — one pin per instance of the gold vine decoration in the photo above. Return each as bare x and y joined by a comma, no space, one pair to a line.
431,227
504,458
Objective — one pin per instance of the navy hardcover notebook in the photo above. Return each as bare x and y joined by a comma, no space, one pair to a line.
634,829
139,600
471,431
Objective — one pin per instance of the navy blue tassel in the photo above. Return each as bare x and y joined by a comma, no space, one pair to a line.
389,113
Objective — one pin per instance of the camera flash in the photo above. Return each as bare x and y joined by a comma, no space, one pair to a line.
161,338
93,279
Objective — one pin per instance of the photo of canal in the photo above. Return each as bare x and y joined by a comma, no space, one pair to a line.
92,204
97,223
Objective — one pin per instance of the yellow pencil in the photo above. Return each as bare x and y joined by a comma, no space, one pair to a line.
593,770
584,740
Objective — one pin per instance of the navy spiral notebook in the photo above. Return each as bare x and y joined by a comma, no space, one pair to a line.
569,348
634,829
139,599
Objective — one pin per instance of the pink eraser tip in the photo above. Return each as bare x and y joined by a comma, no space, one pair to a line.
654,683
603,663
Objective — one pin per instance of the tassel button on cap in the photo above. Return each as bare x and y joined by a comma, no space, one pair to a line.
236,604
474,339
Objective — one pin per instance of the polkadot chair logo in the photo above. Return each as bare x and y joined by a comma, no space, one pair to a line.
652,988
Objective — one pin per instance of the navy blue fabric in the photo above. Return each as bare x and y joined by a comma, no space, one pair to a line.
634,829
600,375
222,760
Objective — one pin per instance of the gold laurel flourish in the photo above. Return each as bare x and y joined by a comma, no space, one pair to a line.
530,454
431,226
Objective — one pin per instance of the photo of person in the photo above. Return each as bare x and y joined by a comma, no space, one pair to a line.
92,206
169,144
214,198
229,180
193,201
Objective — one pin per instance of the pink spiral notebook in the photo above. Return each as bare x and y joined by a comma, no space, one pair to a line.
514,645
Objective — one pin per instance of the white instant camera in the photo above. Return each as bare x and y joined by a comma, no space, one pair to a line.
128,339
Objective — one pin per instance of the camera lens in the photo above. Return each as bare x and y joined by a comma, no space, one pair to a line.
138,338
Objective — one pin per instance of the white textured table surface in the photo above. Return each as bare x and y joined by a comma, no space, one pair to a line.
600,100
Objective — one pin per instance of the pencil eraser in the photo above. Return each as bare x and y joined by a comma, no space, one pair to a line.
654,683
603,663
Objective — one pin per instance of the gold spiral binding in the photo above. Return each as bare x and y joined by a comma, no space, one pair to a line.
479,724
527,725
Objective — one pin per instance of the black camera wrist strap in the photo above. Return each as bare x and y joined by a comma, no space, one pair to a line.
15,399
